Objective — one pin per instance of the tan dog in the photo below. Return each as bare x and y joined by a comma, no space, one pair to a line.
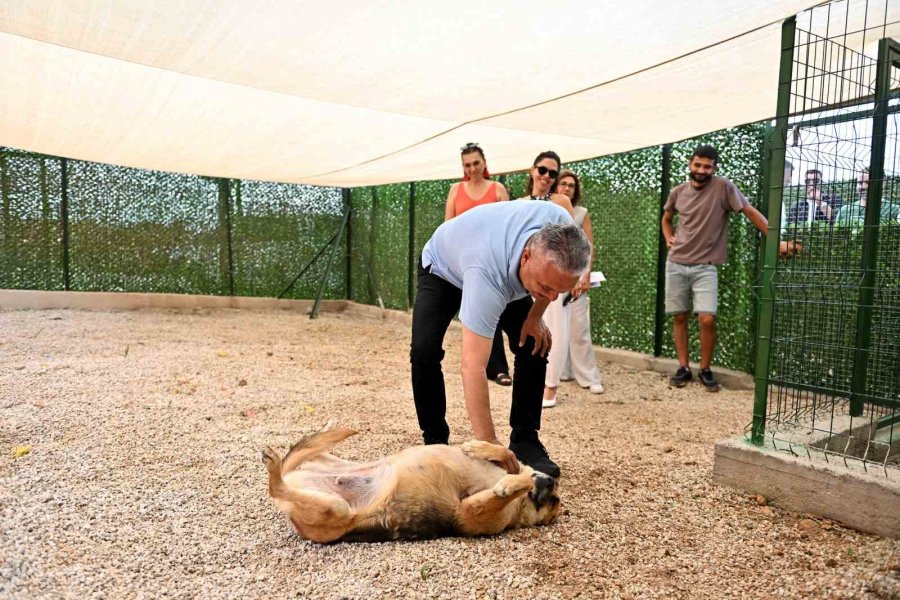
421,492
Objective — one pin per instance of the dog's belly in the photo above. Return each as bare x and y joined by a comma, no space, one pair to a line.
357,485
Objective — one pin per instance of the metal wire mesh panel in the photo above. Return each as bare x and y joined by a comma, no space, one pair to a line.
834,361
30,231
277,230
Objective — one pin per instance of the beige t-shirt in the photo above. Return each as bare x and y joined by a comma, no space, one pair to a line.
702,234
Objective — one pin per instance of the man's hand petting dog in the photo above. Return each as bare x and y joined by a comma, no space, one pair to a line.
507,460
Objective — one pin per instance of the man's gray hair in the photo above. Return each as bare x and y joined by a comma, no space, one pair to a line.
564,245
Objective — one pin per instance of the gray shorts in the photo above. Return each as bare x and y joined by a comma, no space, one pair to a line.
685,281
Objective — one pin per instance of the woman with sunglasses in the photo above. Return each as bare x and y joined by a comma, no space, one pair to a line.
543,179
577,358
541,183
476,189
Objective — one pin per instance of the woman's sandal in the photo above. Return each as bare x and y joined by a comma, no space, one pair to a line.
503,379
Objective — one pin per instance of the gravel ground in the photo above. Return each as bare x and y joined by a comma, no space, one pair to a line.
144,480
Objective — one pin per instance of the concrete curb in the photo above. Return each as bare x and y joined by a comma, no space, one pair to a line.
810,485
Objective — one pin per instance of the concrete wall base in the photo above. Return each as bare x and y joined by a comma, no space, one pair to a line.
43,300
863,501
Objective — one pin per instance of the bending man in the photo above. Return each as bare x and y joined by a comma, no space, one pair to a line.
487,264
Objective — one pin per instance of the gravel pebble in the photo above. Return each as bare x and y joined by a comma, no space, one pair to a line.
144,478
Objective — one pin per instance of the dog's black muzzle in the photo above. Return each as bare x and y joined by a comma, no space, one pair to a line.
543,488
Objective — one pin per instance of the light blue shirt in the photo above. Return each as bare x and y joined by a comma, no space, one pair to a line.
479,252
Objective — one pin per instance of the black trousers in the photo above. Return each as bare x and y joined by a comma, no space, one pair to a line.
437,301
497,362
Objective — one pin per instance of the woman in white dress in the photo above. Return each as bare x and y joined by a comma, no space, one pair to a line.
572,353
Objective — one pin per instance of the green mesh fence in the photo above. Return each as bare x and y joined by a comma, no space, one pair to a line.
133,230
380,245
431,200
621,194
143,231
30,231
277,229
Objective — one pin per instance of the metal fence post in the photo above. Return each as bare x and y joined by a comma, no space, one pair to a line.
770,259
4,187
411,257
225,219
64,215
373,246
888,54
662,252
314,313
763,190
347,197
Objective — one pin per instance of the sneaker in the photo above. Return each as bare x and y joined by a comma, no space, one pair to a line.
596,388
709,380
531,452
681,377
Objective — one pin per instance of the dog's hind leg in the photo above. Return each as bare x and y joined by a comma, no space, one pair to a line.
489,511
319,516
315,445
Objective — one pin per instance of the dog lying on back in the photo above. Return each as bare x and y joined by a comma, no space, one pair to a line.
421,492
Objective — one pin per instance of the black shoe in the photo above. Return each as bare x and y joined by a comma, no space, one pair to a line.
709,380
681,377
531,452
430,438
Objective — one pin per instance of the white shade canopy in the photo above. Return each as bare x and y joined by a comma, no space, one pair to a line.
349,93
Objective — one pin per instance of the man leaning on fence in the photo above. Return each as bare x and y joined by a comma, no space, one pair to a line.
487,264
695,252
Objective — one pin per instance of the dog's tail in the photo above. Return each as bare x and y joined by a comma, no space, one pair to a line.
315,444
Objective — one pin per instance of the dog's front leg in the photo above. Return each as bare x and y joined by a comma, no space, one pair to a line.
489,511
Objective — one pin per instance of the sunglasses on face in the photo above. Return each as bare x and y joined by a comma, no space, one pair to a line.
545,171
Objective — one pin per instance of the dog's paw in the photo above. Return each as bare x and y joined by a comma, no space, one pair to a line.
270,458
502,490
484,450
475,448
512,484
